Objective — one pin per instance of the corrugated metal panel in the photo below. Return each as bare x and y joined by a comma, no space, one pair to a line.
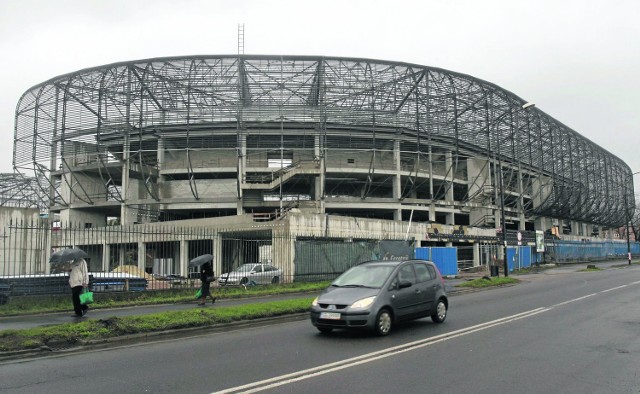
519,259
423,253
561,250
446,259
525,256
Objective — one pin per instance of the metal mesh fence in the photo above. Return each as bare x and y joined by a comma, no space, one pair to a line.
156,257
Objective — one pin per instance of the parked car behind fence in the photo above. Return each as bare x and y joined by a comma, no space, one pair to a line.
252,274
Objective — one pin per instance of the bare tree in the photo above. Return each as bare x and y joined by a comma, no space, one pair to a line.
635,220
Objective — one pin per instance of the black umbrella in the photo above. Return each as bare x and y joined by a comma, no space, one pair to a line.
64,255
205,258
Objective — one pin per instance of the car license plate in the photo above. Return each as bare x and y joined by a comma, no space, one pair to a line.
330,315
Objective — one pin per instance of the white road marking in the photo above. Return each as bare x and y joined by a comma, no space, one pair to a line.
395,350
613,288
369,357
575,300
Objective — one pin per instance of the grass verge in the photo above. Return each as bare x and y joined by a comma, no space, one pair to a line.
70,334
59,303
488,282
590,269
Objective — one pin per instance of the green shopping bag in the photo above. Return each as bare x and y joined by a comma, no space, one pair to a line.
199,293
86,297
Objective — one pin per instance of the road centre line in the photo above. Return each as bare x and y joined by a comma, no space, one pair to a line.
393,351
574,300
369,357
613,288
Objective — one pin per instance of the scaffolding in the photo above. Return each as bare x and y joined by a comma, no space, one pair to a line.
348,135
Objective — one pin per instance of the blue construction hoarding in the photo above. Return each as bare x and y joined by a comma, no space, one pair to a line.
446,259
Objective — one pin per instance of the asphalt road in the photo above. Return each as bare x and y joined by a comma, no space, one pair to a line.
560,332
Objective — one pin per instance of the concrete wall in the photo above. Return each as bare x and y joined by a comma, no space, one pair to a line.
207,188
20,252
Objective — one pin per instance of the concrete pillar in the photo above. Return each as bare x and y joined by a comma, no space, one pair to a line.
160,157
397,214
142,256
431,175
319,180
542,223
451,174
542,187
588,228
242,171
450,219
397,167
106,257
125,215
476,254
283,252
397,188
122,256
217,254
480,190
576,229
183,260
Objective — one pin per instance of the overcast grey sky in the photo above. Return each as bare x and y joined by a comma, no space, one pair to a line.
578,61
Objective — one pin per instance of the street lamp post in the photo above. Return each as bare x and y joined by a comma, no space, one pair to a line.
503,225
627,218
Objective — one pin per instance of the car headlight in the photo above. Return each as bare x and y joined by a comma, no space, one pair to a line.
315,302
363,303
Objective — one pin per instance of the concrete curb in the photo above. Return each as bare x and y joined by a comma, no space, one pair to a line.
81,345
137,338
146,337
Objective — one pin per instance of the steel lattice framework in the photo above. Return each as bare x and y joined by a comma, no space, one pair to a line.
19,191
118,113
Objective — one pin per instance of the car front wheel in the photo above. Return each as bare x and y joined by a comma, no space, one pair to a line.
441,312
384,321
275,280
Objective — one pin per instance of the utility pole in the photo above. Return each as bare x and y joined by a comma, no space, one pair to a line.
626,214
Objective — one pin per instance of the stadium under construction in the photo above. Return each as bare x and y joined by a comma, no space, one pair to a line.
314,146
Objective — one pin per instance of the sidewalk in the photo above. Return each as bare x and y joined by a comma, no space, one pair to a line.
49,319
55,318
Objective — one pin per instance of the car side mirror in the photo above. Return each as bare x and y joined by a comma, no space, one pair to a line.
404,284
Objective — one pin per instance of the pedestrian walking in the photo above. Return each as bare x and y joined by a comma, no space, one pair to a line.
78,280
206,277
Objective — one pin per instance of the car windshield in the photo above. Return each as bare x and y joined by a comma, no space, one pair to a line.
245,268
365,276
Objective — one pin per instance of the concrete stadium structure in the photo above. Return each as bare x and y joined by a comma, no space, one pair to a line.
167,139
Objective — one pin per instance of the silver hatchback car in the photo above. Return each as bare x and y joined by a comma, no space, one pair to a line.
377,294
251,274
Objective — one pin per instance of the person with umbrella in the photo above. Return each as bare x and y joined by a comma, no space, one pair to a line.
206,277
78,280
78,274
